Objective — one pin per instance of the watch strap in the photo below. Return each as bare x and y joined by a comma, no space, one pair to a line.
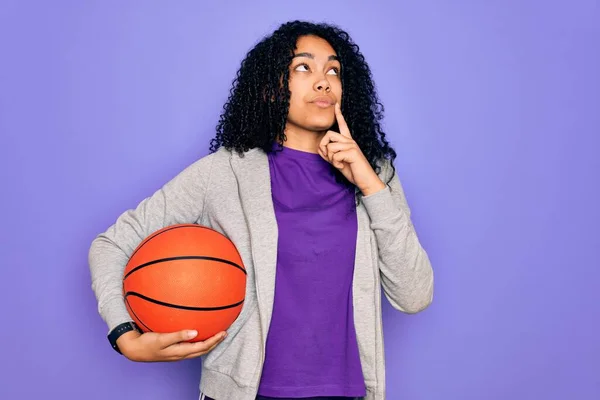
120,330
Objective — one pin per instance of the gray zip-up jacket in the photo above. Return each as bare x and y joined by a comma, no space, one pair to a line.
232,195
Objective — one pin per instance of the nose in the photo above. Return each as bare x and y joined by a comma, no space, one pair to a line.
322,85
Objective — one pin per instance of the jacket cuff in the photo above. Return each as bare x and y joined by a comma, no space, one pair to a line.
114,313
380,205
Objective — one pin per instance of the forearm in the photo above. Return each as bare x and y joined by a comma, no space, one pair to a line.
405,268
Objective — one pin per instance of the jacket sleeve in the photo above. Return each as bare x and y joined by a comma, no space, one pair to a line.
181,200
405,269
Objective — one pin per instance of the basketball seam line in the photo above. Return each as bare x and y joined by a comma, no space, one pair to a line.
166,229
137,317
160,260
162,303
155,234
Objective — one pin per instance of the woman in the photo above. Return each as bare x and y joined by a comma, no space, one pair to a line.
301,178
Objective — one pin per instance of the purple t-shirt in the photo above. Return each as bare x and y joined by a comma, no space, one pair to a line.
311,346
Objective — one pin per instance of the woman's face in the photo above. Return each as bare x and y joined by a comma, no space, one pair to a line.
314,84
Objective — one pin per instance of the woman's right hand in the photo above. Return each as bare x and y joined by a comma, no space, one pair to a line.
156,347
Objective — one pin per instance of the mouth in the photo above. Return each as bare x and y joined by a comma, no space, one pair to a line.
323,102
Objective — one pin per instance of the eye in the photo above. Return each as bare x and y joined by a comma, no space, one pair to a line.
302,65
334,69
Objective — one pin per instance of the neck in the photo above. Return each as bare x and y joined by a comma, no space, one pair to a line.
302,139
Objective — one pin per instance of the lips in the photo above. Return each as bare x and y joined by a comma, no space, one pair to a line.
323,101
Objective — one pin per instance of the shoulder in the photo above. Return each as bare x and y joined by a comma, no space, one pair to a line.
206,163
224,155
199,171
219,164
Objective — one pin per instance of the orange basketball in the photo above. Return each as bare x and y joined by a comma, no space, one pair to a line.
185,276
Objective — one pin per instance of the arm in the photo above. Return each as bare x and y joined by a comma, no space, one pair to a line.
406,273
181,200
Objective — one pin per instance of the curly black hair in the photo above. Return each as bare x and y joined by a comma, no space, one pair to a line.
256,111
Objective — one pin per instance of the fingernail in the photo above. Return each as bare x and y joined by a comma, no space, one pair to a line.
192,334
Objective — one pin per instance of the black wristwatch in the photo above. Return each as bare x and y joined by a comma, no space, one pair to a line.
118,331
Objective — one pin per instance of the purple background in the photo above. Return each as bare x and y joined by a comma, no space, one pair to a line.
493,108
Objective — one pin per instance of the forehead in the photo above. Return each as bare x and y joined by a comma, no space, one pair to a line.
315,45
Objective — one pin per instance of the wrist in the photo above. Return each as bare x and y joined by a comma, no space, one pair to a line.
373,187
127,344
124,329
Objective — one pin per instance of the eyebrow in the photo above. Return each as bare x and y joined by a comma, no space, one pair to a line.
310,55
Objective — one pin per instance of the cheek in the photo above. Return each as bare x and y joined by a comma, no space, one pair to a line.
296,98
336,88
295,102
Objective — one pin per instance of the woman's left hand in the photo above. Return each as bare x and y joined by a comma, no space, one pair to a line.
344,154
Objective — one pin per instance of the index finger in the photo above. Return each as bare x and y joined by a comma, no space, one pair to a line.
344,130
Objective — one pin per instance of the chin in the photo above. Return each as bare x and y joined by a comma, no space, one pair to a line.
320,124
